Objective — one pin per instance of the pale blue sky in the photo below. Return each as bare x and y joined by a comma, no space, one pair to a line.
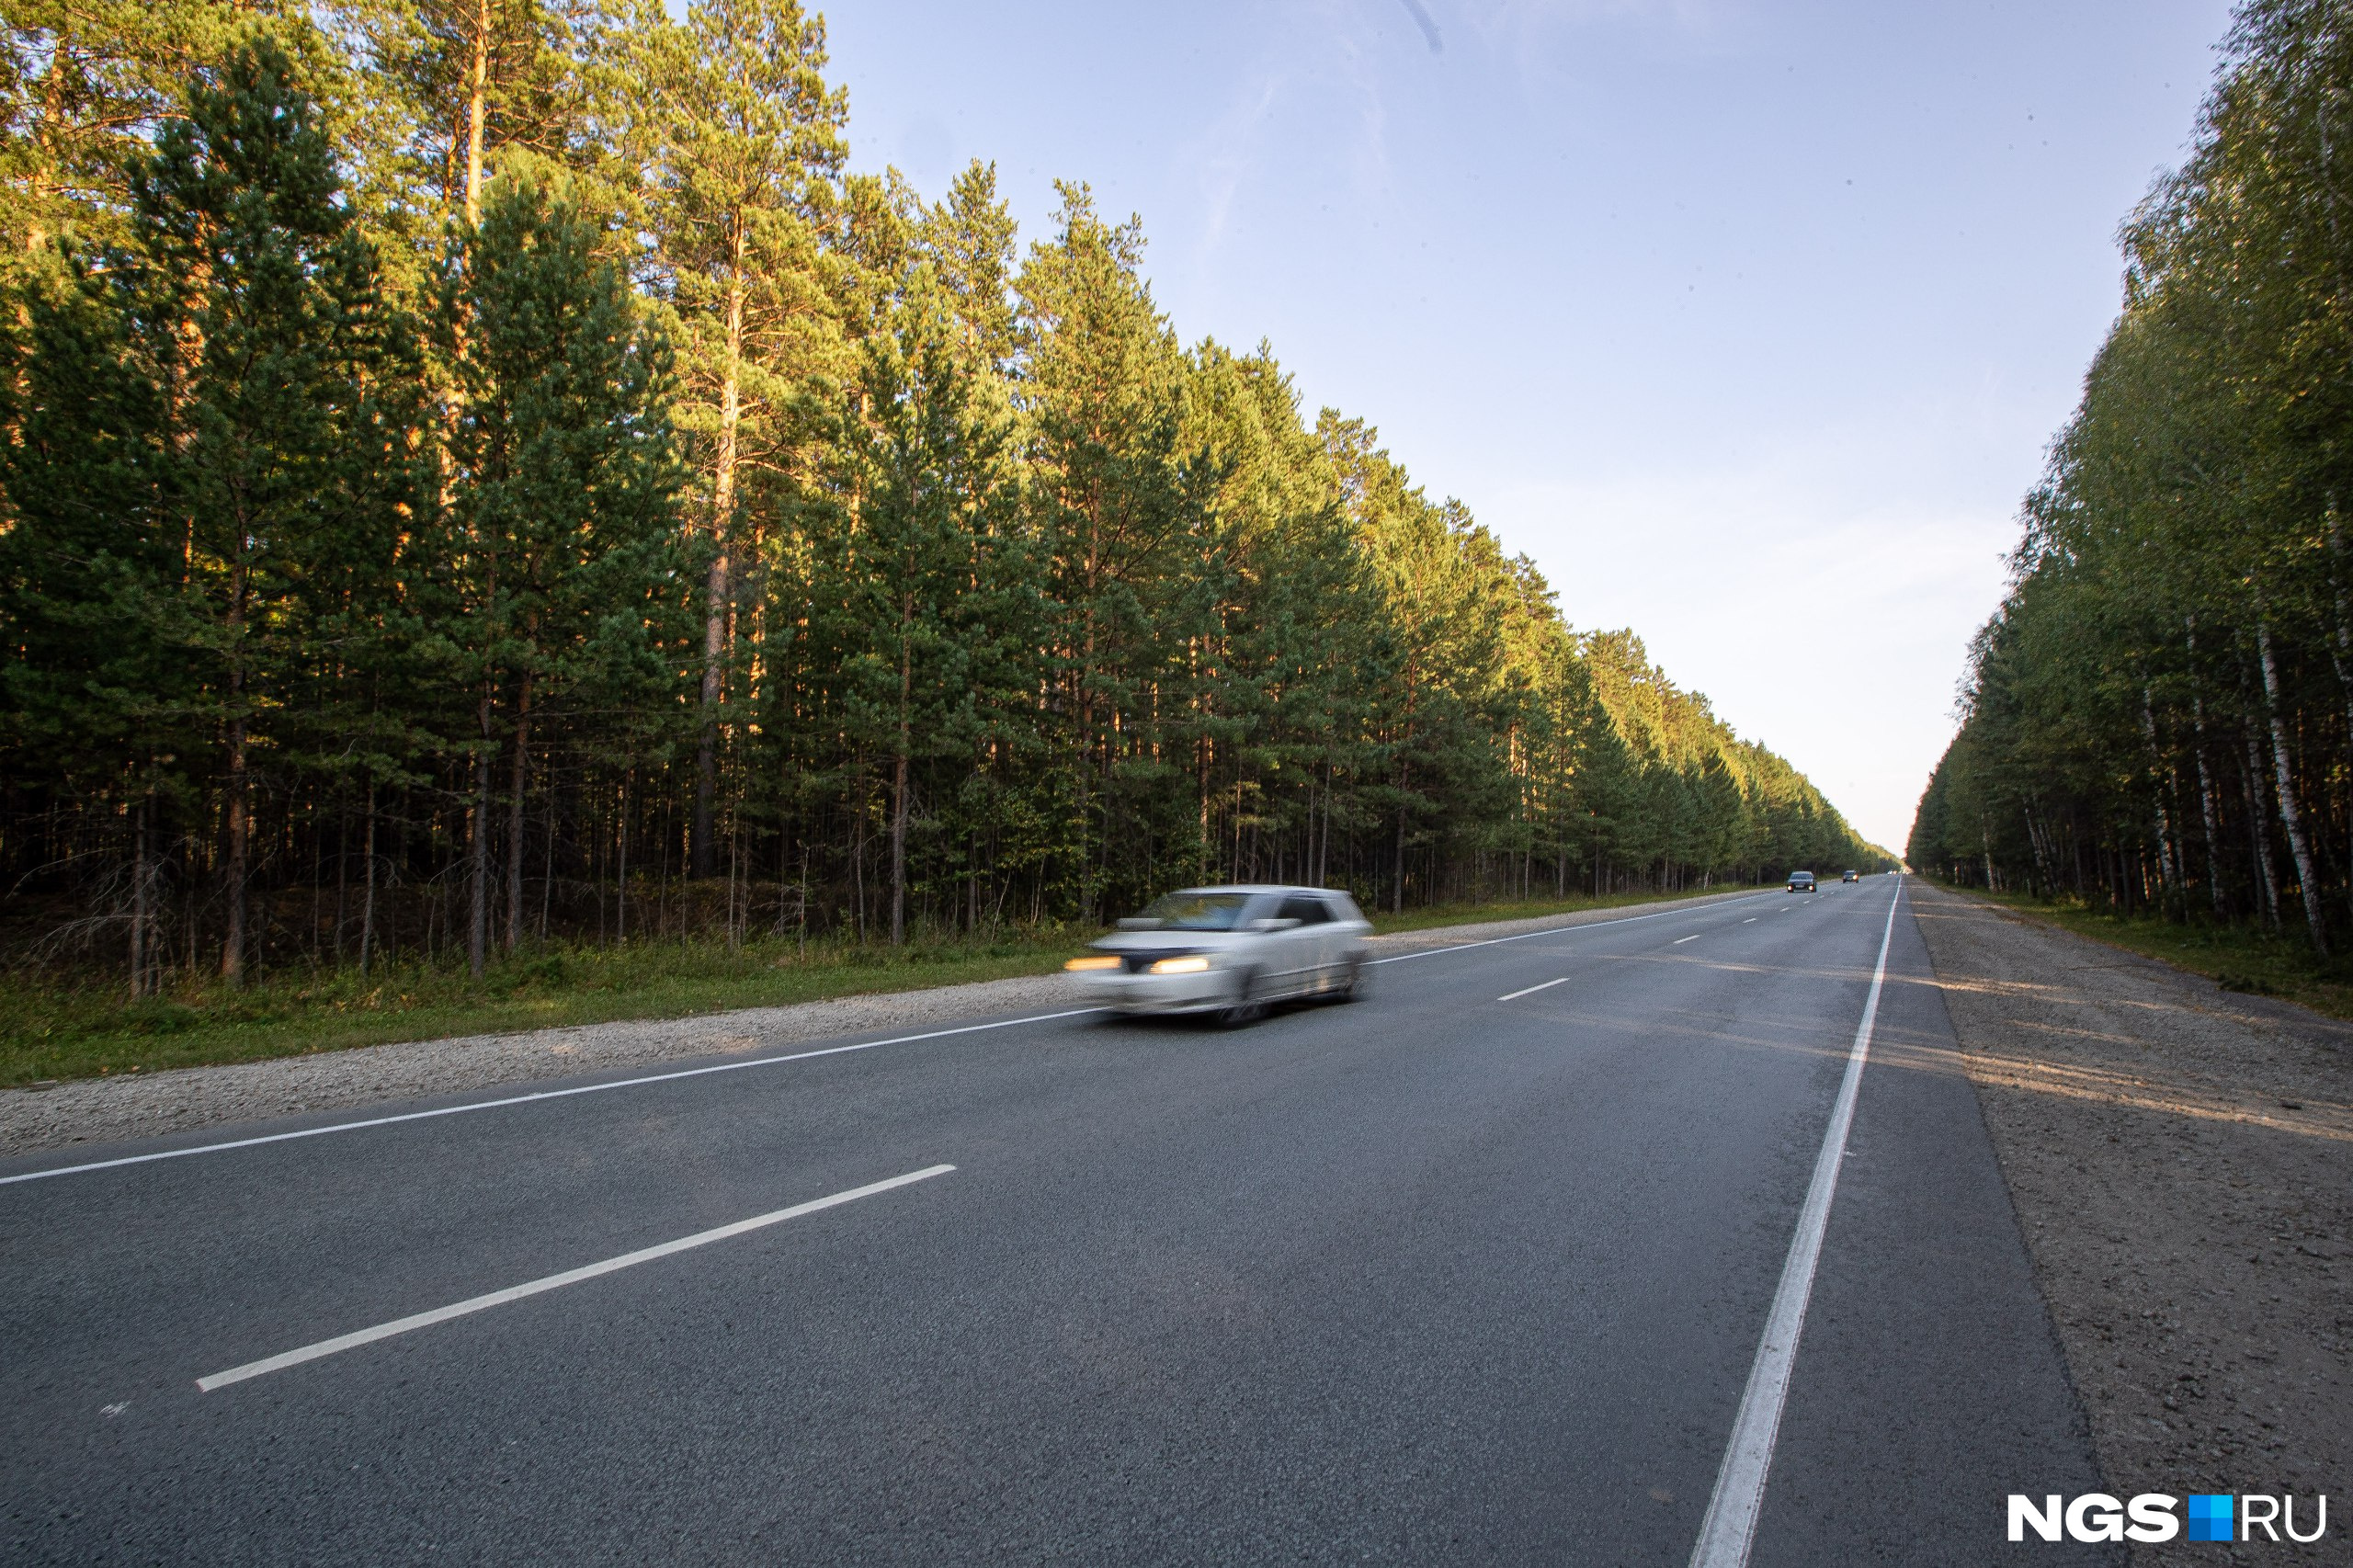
1750,322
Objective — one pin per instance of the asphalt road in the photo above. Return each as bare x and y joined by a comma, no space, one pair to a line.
1433,1278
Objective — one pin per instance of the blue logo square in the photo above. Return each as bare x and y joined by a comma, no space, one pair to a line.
2210,1515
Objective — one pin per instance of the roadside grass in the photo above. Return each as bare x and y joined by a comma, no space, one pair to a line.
53,1029
56,1031
2237,958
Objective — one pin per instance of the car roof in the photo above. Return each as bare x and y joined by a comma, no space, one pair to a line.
1248,888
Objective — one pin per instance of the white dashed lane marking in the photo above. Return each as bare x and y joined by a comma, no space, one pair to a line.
286,1359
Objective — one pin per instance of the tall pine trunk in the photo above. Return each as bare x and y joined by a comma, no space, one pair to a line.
240,824
522,774
477,106
620,888
142,876
899,789
368,893
547,867
717,588
478,848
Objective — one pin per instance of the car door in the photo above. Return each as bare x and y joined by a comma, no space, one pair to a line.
1311,956
1348,929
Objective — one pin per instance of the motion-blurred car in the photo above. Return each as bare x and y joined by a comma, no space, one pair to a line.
1230,951
1850,877
1801,881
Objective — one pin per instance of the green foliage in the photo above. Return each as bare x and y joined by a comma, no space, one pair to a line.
84,87
486,482
2158,717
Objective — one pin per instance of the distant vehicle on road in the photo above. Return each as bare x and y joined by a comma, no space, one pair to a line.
1851,876
1230,951
1801,881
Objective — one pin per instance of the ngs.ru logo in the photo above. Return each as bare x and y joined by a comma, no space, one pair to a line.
2096,1516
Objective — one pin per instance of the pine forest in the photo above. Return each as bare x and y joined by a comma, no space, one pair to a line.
2159,718
489,475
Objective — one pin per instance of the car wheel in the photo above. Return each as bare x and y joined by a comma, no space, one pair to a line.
1352,988
1248,1005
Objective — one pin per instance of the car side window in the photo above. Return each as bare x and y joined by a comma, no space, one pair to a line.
1306,911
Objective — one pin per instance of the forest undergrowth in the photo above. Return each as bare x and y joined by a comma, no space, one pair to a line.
56,1025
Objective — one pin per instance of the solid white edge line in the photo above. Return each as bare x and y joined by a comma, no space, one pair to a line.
721,1067
552,1282
538,1095
1548,985
1730,1528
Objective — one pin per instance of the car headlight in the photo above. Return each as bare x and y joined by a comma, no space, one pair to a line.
1190,965
1093,960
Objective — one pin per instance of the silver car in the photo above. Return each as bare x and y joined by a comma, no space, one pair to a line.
1229,951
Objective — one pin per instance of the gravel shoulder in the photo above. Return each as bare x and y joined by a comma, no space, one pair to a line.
97,1111
2181,1160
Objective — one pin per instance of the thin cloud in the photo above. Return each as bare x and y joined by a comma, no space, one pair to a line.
1228,155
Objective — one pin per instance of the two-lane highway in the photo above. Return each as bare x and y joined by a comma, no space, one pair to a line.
1479,1269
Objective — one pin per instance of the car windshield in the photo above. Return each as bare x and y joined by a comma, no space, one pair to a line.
1198,911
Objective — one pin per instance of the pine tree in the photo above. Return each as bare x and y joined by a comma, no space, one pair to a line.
566,567
925,589
918,564
257,303
744,138
1100,389
454,81
87,86
970,238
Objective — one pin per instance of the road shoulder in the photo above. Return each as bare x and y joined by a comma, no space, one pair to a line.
2181,1160
101,1110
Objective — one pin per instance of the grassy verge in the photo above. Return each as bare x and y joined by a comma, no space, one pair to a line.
2235,958
51,1030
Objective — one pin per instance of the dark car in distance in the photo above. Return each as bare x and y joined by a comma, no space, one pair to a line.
1801,881
1851,876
